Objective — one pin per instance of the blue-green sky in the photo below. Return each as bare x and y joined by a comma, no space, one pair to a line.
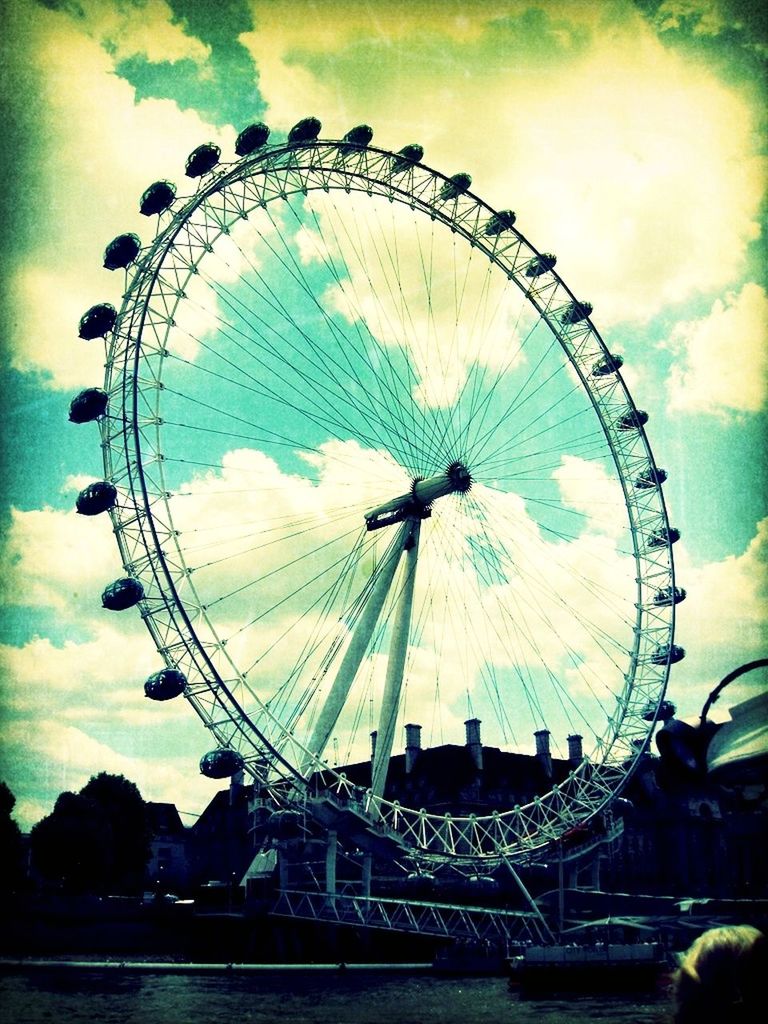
629,138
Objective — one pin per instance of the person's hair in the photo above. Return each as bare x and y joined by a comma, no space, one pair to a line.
723,978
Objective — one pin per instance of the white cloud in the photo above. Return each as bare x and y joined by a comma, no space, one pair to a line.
610,158
102,150
144,29
723,622
707,17
723,358
467,618
58,560
587,488
49,757
608,149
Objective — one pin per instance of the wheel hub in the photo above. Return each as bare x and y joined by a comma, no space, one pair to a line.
417,503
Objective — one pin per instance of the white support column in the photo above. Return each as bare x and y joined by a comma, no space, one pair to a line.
398,649
366,877
358,645
330,862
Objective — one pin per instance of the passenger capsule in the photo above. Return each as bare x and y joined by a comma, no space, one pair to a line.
97,321
667,596
661,538
652,476
157,198
305,130
123,593
483,883
221,763
456,185
421,883
165,684
96,497
501,221
284,824
410,154
632,419
607,365
251,138
666,711
540,264
667,653
575,312
356,138
202,160
122,251
88,405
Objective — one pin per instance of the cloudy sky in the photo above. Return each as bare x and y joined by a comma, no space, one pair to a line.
630,139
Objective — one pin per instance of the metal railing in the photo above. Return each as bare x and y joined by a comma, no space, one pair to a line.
482,925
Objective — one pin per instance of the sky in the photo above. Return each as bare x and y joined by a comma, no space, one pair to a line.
629,138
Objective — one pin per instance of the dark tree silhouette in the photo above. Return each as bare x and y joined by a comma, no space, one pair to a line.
125,812
96,840
11,846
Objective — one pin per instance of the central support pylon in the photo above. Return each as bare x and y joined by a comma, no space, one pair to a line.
409,510
398,648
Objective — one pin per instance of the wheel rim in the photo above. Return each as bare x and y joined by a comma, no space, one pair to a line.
388,293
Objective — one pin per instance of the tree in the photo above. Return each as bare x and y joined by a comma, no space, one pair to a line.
96,840
72,845
11,844
127,819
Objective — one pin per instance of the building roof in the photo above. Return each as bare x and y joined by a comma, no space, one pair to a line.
164,819
447,777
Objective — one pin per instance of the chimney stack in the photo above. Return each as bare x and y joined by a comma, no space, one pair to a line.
236,783
474,745
412,746
543,755
575,751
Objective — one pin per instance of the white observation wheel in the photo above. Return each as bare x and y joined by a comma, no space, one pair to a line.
370,465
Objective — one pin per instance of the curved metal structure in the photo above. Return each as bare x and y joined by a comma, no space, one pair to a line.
374,461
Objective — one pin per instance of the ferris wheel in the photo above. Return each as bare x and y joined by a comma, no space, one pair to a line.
371,466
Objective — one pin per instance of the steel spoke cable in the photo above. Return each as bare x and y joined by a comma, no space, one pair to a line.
452,540
591,446
328,398
525,610
304,531
451,429
479,377
294,270
512,448
426,264
476,429
421,420
274,437
249,317
481,325
521,437
281,568
389,390
398,299
587,624
566,511
532,538
396,385
515,402
285,694
519,400
583,519
256,387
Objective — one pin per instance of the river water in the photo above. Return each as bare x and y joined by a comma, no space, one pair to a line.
47,996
